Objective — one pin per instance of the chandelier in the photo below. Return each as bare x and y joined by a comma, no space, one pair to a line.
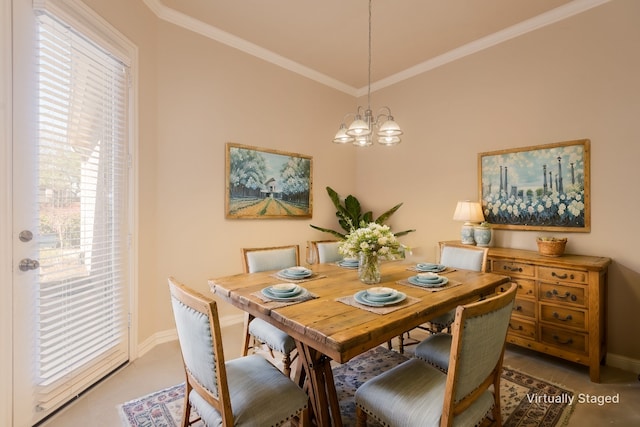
365,125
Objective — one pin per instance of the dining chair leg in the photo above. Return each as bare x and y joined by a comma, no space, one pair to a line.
286,364
246,340
361,417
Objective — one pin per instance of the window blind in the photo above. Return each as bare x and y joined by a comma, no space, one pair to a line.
82,175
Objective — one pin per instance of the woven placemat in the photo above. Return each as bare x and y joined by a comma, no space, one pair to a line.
449,285
268,302
445,271
349,300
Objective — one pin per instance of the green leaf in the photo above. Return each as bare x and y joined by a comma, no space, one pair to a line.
326,230
402,233
385,216
352,206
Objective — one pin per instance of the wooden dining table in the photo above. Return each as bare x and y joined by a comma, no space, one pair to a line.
331,325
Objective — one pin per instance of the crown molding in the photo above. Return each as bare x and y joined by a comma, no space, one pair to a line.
547,18
558,14
214,33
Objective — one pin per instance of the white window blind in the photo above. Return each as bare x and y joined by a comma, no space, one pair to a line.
82,169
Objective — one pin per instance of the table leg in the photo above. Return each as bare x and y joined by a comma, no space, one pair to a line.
316,378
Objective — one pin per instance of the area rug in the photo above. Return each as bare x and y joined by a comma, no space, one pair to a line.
526,401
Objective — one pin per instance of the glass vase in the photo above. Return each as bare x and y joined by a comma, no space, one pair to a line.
369,269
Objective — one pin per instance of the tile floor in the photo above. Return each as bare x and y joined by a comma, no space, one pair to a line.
162,367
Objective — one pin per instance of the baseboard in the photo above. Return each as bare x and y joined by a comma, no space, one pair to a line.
171,334
623,362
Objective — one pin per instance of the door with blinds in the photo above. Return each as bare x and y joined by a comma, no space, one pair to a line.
71,208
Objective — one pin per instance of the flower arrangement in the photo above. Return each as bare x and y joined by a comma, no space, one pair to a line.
371,243
371,239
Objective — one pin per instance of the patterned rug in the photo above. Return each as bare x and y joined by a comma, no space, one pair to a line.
526,401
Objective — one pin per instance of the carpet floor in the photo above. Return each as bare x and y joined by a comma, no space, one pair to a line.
521,406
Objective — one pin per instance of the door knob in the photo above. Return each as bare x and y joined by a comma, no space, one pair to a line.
27,264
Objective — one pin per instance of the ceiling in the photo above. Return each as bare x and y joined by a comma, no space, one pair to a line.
327,40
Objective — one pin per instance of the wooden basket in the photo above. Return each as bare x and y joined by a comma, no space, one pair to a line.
552,248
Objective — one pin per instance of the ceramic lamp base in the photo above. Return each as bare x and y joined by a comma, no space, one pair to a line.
466,234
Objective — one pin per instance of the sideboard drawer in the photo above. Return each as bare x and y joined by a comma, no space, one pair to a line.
526,287
554,274
523,307
523,328
563,316
511,268
571,341
575,295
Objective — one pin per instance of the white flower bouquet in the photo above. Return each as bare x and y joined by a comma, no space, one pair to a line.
371,239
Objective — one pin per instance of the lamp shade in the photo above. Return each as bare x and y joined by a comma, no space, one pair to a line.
468,212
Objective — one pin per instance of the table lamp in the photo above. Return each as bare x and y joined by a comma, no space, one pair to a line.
471,214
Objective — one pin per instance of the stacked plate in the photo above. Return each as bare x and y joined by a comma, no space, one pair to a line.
427,266
379,296
295,273
284,291
349,263
428,280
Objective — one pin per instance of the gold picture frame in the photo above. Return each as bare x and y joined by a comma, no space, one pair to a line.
545,187
267,184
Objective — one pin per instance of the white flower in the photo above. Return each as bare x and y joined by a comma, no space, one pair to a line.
371,239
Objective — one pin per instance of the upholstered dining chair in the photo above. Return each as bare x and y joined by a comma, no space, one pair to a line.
233,393
264,259
415,393
324,251
465,257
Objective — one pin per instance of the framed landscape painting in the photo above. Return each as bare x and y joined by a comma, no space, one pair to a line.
262,183
544,187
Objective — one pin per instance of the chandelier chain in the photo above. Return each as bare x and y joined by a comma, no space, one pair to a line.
369,63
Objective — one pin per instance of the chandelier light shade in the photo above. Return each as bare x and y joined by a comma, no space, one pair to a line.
365,126
471,214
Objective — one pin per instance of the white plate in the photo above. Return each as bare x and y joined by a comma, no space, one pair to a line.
284,289
430,267
296,276
267,293
348,264
381,297
361,297
414,281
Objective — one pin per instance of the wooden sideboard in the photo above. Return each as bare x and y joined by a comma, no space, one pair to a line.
561,304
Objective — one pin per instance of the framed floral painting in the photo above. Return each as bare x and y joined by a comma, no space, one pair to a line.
262,183
544,187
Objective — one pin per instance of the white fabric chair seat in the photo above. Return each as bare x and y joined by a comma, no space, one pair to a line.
412,394
435,350
253,384
275,338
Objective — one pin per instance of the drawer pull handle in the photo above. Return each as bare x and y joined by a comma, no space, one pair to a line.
518,269
556,294
519,328
518,308
562,276
567,318
557,339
